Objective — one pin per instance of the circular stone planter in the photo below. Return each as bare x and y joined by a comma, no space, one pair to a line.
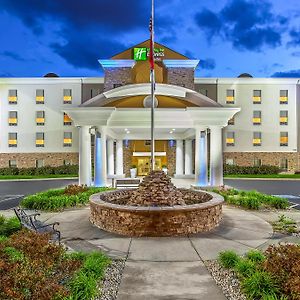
109,214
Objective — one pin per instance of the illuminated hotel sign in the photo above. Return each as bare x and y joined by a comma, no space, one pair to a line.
141,54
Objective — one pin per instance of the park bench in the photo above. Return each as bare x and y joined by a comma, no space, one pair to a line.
30,222
127,183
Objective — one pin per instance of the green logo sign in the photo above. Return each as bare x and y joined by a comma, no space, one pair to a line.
141,54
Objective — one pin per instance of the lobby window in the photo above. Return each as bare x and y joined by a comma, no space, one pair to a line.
40,118
12,163
257,162
256,117
67,162
256,138
40,139
230,96
204,92
95,92
116,85
67,120
229,161
13,97
284,164
39,96
257,96
13,118
284,139
284,117
231,121
284,96
39,163
230,140
12,139
67,139
67,96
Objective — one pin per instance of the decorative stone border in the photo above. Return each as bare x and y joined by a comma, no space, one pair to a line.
154,221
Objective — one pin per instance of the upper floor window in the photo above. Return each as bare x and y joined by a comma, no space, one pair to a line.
67,120
256,138
40,118
12,118
256,117
67,139
230,96
12,96
284,138
283,117
12,139
40,139
257,96
67,96
230,139
284,96
40,96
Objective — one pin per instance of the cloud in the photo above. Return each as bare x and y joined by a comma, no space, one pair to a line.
248,25
287,74
207,64
296,54
12,55
295,38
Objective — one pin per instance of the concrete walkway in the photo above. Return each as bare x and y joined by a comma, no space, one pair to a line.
167,268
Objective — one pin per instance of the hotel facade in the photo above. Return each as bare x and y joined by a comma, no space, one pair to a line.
200,123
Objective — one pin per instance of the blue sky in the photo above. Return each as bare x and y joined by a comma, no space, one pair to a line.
260,37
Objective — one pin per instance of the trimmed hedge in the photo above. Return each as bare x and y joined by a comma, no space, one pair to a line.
47,170
262,170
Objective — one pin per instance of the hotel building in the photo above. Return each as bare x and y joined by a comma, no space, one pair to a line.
200,123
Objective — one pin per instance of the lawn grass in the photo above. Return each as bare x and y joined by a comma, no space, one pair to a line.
291,176
16,177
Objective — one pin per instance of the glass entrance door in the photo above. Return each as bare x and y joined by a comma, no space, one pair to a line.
144,165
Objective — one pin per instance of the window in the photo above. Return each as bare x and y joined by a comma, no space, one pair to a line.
256,138
284,164
257,96
284,138
39,163
284,96
67,139
67,96
204,92
95,92
257,162
40,139
67,162
283,117
12,96
256,117
230,139
12,118
230,96
230,161
40,118
116,85
39,97
12,163
67,120
231,121
12,139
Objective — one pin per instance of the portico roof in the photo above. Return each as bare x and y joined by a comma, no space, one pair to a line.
132,90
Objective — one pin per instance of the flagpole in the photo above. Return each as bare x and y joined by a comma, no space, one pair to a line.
152,75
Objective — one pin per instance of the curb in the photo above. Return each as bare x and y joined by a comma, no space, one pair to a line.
263,179
38,179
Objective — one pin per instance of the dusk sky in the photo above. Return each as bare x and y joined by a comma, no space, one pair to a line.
230,37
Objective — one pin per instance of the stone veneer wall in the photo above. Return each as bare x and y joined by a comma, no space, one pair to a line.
171,158
267,158
28,160
113,76
127,155
181,76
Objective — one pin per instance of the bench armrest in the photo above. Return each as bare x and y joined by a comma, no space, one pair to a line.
49,225
34,215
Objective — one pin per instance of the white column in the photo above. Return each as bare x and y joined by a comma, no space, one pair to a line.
110,157
188,166
85,162
201,157
216,156
119,158
100,159
179,158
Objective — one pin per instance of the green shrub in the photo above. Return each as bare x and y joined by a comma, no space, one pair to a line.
228,259
259,284
274,297
285,225
262,170
9,226
14,254
245,267
256,256
95,264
